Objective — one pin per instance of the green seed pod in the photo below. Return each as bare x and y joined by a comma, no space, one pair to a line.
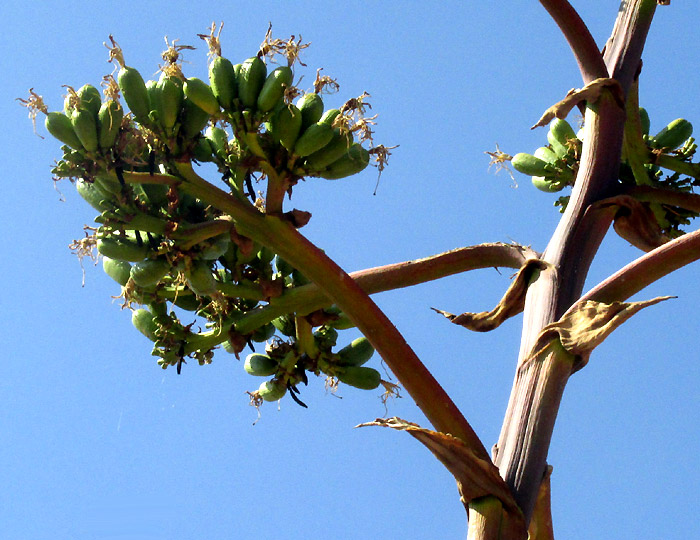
329,116
202,150
260,365
145,322
674,134
531,165
355,160
250,81
169,102
333,151
285,125
546,184
109,120
559,134
272,390
215,247
545,153
356,353
90,99
222,79
311,107
95,196
273,88
263,333
200,93
219,141
108,184
61,127
283,267
188,302
365,378
134,91
192,119
119,271
85,128
343,322
122,249
315,137
644,120
149,272
285,324
200,278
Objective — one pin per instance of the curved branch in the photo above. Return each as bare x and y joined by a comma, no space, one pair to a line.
586,52
285,240
647,269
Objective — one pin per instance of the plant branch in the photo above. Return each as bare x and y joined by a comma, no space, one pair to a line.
286,241
586,52
647,269
538,387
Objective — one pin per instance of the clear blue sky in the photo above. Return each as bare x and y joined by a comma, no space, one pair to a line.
99,443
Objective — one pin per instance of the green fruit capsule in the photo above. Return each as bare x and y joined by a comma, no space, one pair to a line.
222,79
122,249
283,267
149,272
90,99
315,137
250,81
134,91
674,134
200,93
365,378
285,125
355,160
559,134
531,165
109,120
311,107
95,196
272,390
119,271
285,324
169,102
274,87
334,150
144,321
329,116
644,120
188,302
85,128
218,139
192,119
260,365
263,333
356,353
200,278
546,184
545,153
202,150
61,127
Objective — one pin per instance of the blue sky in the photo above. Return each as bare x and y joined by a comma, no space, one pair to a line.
99,442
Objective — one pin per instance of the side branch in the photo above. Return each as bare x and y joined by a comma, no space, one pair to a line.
586,52
647,269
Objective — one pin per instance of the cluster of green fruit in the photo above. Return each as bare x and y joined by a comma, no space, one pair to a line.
644,158
175,254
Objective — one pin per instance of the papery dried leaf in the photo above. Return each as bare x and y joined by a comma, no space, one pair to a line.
511,304
586,325
636,223
590,92
476,477
541,527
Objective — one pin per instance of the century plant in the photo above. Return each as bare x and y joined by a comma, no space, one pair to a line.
228,256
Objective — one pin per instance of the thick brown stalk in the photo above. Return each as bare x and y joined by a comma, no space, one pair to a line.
538,386
582,44
337,285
